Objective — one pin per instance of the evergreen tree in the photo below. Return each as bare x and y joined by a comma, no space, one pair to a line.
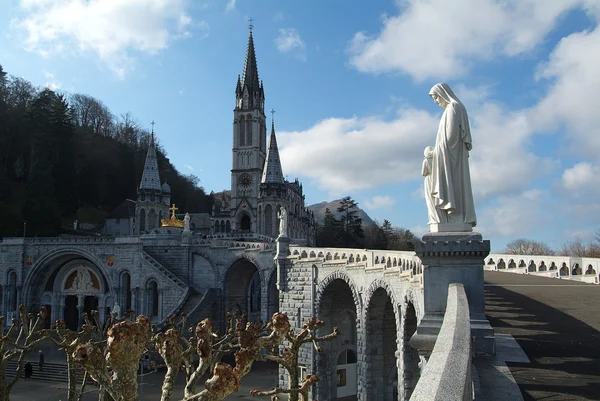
328,233
351,230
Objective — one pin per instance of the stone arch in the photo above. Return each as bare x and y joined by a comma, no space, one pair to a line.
553,266
590,270
542,267
576,271
512,264
237,279
320,254
303,255
328,256
338,274
382,322
491,262
532,267
312,254
564,270
337,303
272,293
501,264
39,273
410,356
522,263
153,301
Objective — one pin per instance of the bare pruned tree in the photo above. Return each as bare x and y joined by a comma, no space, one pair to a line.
524,246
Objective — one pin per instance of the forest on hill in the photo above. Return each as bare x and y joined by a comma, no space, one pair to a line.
67,156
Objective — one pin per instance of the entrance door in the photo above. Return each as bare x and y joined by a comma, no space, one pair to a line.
346,374
70,313
245,223
48,317
89,304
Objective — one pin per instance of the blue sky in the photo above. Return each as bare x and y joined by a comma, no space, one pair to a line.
349,82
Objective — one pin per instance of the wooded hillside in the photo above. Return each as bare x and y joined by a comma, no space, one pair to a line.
66,156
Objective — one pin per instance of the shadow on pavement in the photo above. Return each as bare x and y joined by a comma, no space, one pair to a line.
564,351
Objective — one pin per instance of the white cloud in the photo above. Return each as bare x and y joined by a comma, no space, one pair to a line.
513,215
289,41
572,70
378,202
345,154
440,39
189,167
230,5
113,30
51,82
278,16
581,176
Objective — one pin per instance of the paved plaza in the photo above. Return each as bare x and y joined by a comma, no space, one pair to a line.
263,377
557,324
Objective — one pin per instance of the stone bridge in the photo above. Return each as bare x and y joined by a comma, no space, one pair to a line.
375,298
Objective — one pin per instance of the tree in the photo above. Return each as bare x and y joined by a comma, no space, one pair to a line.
328,232
28,335
402,239
524,246
578,248
112,360
351,230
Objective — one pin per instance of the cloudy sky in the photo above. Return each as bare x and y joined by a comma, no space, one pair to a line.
350,83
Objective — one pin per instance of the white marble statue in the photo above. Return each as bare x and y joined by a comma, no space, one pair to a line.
433,213
186,222
282,215
116,310
451,194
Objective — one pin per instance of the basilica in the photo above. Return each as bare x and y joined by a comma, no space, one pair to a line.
259,189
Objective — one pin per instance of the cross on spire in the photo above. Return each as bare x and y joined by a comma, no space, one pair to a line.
152,123
173,209
250,26
273,115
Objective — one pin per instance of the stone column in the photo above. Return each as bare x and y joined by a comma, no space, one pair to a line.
453,257
281,255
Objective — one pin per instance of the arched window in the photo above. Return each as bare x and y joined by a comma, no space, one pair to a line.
248,130
223,226
126,291
12,288
152,298
255,293
269,220
142,220
228,226
242,136
151,219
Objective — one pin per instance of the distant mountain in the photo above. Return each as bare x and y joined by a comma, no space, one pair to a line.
319,210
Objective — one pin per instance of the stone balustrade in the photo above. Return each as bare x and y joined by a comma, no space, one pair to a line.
447,375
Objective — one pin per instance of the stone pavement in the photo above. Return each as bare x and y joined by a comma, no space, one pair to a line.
263,376
557,324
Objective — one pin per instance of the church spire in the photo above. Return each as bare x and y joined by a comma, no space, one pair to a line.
250,84
272,172
150,176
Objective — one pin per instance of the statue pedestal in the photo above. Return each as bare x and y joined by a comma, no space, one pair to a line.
281,255
445,228
453,257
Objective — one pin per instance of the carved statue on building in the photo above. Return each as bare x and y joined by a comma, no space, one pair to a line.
282,215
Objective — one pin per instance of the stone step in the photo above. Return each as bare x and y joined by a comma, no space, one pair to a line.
55,372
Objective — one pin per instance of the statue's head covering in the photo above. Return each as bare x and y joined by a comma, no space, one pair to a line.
444,91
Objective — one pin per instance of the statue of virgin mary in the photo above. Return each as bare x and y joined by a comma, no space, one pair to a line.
450,185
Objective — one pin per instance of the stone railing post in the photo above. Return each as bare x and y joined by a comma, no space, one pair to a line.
453,257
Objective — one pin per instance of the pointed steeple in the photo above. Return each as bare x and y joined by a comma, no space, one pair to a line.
250,76
150,176
250,87
272,172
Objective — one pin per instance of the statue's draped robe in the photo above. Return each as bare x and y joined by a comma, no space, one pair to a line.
451,179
